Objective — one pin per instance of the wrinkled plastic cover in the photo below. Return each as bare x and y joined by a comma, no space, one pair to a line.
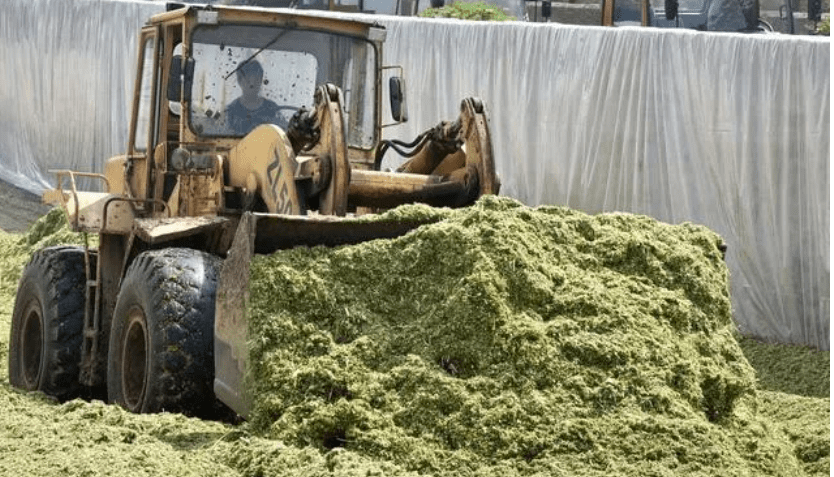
66,84
726,130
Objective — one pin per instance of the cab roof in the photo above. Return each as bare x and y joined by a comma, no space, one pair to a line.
210,14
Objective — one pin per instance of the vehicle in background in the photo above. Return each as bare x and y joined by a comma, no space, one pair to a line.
704,15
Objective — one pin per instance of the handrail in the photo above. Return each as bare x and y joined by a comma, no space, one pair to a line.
132,200
60,174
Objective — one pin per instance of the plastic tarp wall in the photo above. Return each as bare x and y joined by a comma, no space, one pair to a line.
726,130
66,84
730,131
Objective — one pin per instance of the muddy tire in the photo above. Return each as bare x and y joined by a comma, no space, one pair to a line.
161,355
47,323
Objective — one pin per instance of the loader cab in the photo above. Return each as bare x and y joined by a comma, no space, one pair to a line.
245,75
294,53
196,69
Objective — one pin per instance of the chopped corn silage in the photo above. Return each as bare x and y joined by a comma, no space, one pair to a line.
506,339
594,422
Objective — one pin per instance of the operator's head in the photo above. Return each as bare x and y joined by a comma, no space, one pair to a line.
250,77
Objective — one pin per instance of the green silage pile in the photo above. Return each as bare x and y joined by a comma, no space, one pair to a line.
501,341
513,341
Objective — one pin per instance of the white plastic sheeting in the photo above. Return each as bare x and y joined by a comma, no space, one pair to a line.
731,131
726,130
66,84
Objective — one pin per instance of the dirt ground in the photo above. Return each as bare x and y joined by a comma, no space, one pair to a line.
19,208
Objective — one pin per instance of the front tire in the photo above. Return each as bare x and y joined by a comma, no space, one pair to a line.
161,355
47,322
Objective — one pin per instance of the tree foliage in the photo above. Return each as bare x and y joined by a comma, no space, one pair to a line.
824,28
468,11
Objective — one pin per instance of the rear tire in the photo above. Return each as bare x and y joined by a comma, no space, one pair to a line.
161,355
47,323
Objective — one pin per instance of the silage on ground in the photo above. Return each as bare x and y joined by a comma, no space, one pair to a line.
790,369
794,388
511,340
423,393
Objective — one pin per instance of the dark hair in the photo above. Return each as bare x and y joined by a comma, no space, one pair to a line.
249,69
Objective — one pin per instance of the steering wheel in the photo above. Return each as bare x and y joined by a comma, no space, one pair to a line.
288,107
285,113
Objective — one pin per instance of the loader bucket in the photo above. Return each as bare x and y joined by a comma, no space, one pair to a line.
264,234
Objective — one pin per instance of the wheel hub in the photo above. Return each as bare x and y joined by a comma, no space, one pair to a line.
135,360
31,348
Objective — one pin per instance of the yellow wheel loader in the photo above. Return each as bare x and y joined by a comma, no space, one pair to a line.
252,130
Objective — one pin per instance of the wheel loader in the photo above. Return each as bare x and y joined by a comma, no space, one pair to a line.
252,130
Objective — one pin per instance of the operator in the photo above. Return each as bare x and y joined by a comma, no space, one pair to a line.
250,109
